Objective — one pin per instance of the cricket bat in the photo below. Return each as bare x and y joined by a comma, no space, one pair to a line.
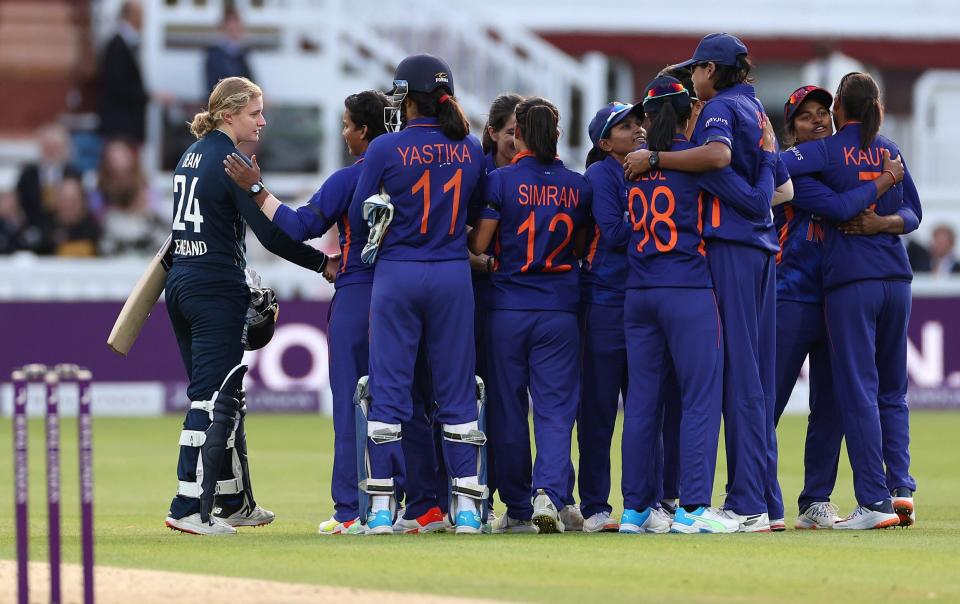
141,300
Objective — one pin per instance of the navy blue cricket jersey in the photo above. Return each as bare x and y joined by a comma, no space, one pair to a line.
210,214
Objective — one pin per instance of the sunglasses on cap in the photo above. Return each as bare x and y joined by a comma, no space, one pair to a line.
665,90
618,109
800,93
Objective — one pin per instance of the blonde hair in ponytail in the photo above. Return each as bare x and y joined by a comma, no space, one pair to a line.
229,96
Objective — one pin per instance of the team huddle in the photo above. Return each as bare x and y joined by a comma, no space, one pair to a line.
690,270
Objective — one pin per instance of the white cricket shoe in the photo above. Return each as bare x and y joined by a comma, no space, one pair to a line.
703,520
875,516
778,525
601,522
650,520
246,517
750,523
506,524
903,506
194,526
545,514
572,518
819,515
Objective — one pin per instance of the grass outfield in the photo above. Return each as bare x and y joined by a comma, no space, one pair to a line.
135,461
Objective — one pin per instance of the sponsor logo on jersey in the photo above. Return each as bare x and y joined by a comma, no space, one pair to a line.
716,121
796,153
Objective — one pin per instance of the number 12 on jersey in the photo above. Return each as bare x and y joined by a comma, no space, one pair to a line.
189,212
529,226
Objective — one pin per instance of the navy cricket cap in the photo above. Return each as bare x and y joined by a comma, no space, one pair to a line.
665,89
721,49
609,116
425,73
800,95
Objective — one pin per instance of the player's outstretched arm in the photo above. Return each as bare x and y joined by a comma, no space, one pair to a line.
751,201
272,238
816,197
309,221
712,156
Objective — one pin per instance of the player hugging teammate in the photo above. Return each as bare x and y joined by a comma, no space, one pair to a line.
686,271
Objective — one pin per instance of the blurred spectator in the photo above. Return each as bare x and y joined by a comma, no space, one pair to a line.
229,56
11,223
943,261
122,200
38,185
75,230
123,96
830,65
919,257
119,178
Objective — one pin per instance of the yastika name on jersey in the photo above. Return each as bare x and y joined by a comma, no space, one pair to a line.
435,153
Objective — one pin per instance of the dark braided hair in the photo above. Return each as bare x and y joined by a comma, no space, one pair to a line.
538,121
859,96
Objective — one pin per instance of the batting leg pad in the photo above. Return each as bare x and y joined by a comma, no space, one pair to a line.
227,405
471,433
234,489
376,433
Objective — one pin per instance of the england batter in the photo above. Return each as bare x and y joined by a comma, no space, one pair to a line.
207,299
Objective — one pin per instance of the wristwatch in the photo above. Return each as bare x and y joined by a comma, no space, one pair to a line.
654,159
255,188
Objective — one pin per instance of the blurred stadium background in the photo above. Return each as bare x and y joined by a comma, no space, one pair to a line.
81,210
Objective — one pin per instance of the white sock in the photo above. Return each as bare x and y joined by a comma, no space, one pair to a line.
380,502
466,504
